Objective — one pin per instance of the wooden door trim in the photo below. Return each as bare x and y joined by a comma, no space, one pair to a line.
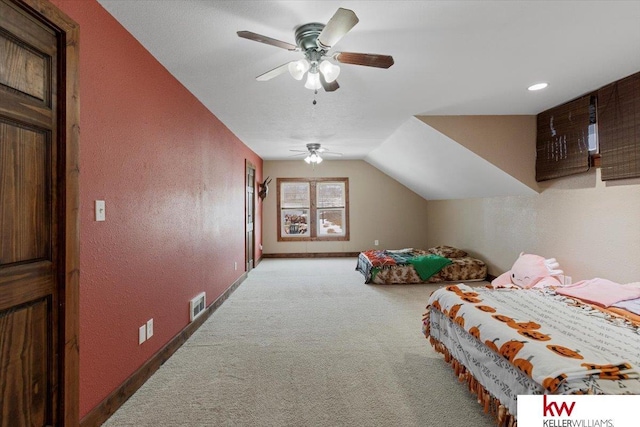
69,196
249,165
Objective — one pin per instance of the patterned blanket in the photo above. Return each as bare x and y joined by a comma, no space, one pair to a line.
424,263
382,258
554,340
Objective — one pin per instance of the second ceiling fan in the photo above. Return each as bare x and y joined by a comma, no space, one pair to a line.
315,40
313,152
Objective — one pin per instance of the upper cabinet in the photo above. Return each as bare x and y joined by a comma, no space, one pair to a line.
605,123
619,128
562,143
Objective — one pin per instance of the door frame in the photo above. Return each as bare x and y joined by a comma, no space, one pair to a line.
250,191
69,212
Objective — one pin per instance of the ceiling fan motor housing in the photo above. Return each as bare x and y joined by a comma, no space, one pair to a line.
313,147
307,36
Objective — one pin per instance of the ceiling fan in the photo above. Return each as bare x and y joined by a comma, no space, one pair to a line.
313,152
315,40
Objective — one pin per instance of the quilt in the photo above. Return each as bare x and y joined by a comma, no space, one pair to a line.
550,343
417,266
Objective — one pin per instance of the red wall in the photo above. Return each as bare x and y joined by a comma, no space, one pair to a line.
172,176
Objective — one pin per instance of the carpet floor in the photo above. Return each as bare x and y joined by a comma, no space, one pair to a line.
304,342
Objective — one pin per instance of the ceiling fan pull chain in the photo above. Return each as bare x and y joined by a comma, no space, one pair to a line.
315,92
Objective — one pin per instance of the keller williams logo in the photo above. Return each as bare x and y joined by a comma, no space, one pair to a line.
552,409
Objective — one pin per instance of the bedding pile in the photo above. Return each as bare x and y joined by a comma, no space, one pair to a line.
437,264
516,341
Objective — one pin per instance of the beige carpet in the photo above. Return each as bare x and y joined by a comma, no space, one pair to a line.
305,342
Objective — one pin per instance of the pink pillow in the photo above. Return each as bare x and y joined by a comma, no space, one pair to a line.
528,271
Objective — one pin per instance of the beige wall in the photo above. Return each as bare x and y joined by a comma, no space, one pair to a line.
380,208
591,227
508,142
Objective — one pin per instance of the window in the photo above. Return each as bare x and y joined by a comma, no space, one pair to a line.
313,209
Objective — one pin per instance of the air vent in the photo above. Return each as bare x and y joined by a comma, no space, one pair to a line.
197,305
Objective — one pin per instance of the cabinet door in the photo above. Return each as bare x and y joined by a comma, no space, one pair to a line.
619,128
562,146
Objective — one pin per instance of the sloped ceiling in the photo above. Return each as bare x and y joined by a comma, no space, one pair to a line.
453,58
436,167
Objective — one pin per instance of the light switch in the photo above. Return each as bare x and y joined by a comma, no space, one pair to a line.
149,328
142,334
100,210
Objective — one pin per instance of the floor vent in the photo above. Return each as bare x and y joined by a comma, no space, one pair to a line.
197,305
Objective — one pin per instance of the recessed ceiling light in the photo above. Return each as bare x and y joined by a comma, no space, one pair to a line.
538,86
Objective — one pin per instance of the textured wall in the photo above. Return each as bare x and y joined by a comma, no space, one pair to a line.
172,176
589,226
380,208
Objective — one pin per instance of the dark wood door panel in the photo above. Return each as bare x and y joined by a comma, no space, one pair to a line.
28,31
25,201
22,109
30,262
24,365
15,55
26,79
25,283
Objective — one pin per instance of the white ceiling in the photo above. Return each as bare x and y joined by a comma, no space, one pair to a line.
451,58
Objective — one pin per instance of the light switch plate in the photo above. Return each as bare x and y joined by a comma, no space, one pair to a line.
142,334
100,210
149,328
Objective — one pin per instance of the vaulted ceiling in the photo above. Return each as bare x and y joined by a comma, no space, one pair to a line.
452,58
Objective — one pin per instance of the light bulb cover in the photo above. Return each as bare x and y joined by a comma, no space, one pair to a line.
329,71
538,86
313,81
313,158
298,68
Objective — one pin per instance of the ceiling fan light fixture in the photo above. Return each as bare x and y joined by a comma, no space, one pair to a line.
313,158
329,71
298,68
313,81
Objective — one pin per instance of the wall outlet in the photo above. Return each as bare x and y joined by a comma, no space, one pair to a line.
235,265
376,243
142,334
149,328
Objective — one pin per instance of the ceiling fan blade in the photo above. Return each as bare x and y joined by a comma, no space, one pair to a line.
273,73
340,23
266,40
328,87
367,59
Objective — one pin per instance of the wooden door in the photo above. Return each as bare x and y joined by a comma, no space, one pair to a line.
32,221
250,241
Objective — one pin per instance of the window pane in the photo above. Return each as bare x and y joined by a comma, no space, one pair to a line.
330,194
331,222
295,222
294,195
